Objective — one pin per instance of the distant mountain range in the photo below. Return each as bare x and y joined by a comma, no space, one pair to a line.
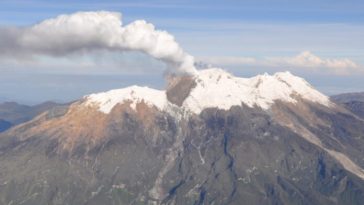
352,101
348,97
12,113
212,138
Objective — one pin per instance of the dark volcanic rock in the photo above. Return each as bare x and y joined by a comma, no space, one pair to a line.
179,88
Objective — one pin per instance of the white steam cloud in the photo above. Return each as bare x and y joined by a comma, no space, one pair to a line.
84,32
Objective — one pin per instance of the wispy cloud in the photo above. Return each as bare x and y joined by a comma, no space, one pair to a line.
306,60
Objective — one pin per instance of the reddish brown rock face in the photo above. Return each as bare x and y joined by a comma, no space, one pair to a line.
86,125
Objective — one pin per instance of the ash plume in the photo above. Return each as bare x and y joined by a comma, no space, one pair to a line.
84,32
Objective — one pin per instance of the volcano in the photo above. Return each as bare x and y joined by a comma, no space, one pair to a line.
209,138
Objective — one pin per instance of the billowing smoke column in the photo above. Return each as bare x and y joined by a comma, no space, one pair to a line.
88,31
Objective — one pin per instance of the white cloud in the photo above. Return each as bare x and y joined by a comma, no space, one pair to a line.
303,61
86,32
308,60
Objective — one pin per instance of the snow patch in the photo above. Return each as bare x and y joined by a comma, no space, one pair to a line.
106,101
217,88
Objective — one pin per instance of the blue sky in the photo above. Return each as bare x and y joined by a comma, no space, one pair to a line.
244,37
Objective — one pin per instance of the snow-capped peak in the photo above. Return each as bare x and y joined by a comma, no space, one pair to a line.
216,88
133,94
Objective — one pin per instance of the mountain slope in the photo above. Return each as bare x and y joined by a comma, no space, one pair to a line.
356,107
13,113
209,139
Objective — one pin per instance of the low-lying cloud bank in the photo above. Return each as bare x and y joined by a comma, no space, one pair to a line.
309,60
86,32
304,60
